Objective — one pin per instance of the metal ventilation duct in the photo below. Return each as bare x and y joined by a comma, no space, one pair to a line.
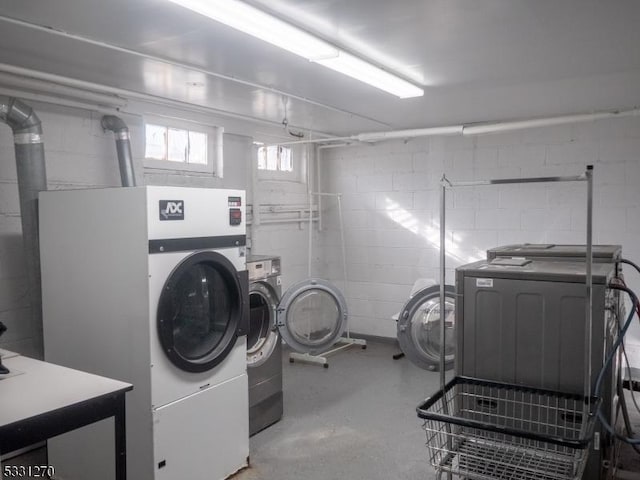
123,148
32,179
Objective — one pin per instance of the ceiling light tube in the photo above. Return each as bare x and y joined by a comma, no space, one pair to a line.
250,20
257,23
365,72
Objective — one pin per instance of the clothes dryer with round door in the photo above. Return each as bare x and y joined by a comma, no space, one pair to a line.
310,317
264,343
419,328
149,285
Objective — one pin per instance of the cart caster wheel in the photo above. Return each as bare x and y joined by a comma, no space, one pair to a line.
326,365
291,360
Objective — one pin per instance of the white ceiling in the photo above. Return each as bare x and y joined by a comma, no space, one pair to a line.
478,60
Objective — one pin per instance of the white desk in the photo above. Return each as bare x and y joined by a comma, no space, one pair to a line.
46,400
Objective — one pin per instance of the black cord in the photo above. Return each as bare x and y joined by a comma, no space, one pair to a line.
623,401
629,262
614,349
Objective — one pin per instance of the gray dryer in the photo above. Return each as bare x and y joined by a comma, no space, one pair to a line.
524,323
264,343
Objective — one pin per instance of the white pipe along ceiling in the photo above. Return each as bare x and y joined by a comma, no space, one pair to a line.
467,130
110,98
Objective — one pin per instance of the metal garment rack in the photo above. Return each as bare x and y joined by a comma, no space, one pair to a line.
343,342
587,177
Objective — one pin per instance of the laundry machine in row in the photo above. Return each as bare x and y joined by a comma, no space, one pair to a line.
557,252
310,317
264,343
418,323
522,321
419,327
149,285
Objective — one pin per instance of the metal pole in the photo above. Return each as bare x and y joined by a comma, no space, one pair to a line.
445,406
589,292
316,159
310,232
344,253
443,194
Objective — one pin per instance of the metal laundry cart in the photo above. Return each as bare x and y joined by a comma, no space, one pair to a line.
485,430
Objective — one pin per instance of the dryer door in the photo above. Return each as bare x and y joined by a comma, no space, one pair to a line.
312,315
202,311
419,327
263,336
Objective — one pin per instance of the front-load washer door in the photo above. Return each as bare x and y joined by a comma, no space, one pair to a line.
419,327
312,315
201,311
262,335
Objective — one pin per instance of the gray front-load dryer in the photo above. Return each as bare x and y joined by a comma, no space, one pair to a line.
264,343
524,323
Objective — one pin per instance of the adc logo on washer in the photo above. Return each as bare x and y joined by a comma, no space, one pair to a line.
171,210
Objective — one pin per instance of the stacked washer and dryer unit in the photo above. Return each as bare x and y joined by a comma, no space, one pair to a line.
149,285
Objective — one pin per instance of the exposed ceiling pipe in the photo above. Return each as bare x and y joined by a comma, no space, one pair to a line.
123,148
53,100
480,129
144,97
32,179
74,93
413,133
468,130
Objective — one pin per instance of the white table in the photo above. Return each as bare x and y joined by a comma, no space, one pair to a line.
44,400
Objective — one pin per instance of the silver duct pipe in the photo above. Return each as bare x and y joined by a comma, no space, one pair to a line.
32,179
123,148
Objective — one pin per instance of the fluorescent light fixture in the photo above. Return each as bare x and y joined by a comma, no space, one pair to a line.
365,72
248,19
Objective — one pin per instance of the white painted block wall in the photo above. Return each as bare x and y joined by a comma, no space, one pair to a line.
80,155
290,241
391,203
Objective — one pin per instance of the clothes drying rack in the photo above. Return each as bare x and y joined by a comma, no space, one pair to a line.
481,430
343,342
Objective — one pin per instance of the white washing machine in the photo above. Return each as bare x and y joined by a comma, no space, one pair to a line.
148,285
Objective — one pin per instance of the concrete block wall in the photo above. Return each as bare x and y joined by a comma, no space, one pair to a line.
80,155
288,240
391,205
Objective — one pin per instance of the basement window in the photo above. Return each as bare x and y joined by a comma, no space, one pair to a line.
175,145
275,158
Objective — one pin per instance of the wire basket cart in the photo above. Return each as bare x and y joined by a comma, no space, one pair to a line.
499,430
484,430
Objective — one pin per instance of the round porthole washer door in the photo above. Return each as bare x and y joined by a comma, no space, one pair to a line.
201,299
418,328
260,350
312,315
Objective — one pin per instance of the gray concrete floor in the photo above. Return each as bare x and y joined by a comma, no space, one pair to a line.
355,420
